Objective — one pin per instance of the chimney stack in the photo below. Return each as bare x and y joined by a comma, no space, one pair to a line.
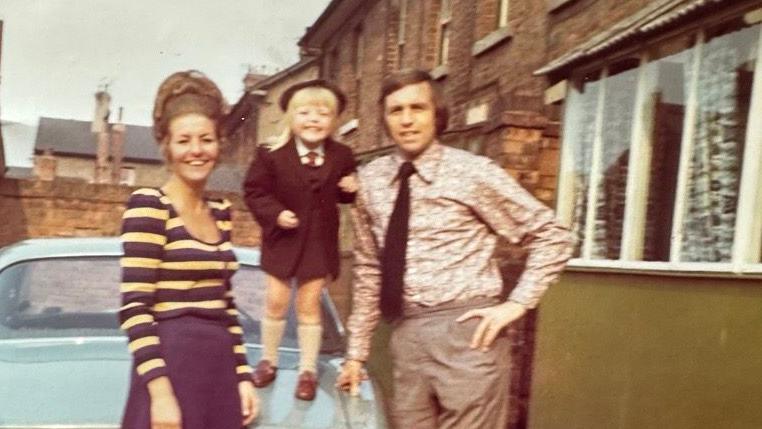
100,128
118,132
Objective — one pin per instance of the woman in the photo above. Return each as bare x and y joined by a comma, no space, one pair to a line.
190,368
292,189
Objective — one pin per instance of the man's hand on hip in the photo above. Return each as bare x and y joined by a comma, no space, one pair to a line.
494,319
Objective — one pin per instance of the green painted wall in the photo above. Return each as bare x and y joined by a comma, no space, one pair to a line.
648,352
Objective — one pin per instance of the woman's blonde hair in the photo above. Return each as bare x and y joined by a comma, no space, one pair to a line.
310,95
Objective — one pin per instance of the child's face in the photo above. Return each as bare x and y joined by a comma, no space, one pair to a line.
313,123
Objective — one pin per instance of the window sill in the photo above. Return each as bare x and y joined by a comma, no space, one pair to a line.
439,72
491,40
670,269
554,5
348,127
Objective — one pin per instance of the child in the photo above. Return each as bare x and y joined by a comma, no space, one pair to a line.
293,188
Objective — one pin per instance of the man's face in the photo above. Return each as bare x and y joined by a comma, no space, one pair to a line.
411,118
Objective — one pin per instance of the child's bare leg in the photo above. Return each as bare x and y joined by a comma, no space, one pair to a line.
310,329
274,323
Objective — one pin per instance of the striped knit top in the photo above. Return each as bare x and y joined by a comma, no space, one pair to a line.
168,273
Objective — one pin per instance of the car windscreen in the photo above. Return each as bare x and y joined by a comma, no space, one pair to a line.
80,297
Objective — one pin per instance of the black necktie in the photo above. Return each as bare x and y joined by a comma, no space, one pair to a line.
395,248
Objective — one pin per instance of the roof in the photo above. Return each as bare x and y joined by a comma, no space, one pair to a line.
285,73
329,22
74,138
649,20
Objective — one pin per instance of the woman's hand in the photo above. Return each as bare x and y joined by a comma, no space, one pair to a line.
249,401
349,184
165,411
287,220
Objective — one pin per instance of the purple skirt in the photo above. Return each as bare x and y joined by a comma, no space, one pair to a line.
201,366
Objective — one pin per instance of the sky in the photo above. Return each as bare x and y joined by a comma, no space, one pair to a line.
56,53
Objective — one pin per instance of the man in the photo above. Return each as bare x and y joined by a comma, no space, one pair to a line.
427,220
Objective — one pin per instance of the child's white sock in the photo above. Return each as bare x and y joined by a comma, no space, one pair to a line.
310,337
272,334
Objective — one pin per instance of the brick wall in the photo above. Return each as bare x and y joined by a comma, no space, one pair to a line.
500,76
526,145
580,20
369,134
70,208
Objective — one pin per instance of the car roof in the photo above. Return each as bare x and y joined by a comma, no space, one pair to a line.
43,248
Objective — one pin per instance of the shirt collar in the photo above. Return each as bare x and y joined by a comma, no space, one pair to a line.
302,149
426,163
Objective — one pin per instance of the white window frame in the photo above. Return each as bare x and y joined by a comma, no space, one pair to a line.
443,32
401,31
747,244
502,13
402,22
359,46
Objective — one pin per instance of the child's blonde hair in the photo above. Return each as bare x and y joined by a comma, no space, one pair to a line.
311,95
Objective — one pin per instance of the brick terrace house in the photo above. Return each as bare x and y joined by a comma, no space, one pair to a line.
484,56
657,103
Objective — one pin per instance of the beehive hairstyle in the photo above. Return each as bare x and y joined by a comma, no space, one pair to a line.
183,93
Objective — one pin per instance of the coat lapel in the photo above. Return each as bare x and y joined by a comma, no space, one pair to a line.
295,163
329,160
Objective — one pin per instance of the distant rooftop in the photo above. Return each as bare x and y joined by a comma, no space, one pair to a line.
74,138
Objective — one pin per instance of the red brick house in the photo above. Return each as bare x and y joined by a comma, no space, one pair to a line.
659,104
484,53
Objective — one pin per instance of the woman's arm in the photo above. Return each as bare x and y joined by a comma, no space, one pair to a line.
143,239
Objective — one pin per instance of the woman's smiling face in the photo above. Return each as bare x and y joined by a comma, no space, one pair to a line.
193,147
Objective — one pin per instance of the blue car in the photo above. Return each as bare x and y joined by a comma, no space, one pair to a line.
64,361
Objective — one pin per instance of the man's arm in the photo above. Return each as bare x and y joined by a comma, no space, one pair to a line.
513,213
365,296
366,282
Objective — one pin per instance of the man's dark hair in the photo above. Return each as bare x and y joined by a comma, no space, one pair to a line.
403,78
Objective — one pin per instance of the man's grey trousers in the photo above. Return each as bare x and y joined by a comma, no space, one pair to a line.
439,381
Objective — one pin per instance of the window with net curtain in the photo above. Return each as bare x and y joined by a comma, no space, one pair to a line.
700,81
